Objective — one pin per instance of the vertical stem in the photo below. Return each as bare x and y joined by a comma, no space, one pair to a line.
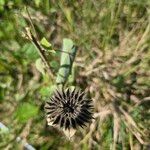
131,141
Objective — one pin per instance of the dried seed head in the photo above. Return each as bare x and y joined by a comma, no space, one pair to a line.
69,109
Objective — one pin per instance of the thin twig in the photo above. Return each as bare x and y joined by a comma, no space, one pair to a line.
30,20
32,38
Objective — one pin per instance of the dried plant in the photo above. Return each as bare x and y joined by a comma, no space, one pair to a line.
69,109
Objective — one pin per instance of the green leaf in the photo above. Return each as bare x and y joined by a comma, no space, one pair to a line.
54,64
45,43
2,3
37,2
40,66
48,90
52,51
67,58
29,51
25,112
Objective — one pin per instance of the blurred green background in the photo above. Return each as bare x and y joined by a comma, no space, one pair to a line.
112,63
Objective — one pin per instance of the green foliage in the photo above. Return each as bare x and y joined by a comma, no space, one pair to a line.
1,94
119,82
67,57
48,90
107,139
29,51
47,46
25,112
45,43
40,66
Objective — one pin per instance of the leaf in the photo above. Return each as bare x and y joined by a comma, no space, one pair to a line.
67,58
54,64
45,43
26,111
48,90
29,51
40,66
37,2
2,3
52,51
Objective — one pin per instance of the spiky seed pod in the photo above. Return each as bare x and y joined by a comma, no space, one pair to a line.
69,109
